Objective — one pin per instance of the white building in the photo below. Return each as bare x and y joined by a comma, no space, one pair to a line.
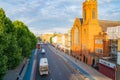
114,36
113,32
54,39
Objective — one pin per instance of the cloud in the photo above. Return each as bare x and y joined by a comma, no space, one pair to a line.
71,20
109,9
27,20
54,15
57,29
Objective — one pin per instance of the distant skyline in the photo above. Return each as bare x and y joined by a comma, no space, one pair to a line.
43,16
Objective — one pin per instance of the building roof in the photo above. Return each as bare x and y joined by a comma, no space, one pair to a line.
105,23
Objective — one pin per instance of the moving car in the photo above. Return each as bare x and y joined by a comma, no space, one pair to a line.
43,51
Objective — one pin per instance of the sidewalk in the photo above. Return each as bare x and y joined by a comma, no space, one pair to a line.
18,73
86,70
29,74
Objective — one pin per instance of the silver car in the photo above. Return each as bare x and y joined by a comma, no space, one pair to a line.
43,51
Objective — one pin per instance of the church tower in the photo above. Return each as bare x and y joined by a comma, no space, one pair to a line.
90,28
90,13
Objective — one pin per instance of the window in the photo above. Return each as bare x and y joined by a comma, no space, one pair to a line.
99,51
84,13
93,14
99,41
76,36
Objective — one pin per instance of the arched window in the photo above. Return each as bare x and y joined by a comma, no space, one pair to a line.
76,36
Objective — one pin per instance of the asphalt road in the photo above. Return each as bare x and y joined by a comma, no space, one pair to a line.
59,69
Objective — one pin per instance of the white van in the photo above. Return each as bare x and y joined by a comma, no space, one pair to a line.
43,66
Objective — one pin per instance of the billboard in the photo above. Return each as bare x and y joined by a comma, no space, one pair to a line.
118,58
119,44
106,63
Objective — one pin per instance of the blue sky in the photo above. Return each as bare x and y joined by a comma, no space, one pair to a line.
55,15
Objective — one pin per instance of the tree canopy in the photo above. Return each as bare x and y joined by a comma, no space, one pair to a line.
16,43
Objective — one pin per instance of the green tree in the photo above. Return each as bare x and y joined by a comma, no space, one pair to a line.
33,40
3,66
51,39
3,44
26,40
8,41
16,42
13,52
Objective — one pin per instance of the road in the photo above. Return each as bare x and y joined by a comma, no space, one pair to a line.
58,67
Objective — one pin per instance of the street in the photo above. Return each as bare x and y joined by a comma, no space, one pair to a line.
59,69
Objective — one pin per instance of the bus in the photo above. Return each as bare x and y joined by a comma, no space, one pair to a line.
43,66
38,45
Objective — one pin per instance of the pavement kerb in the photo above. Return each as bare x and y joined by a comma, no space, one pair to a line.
23,72
33,73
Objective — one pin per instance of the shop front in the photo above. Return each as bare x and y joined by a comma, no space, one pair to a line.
107,68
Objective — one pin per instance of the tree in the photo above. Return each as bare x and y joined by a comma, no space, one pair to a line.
16,42
8,42
26,40
13,52
51,39
3,66
3,44
33,40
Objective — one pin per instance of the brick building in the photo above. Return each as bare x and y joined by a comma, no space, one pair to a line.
83,32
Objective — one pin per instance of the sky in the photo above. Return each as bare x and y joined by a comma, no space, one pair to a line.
43,16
